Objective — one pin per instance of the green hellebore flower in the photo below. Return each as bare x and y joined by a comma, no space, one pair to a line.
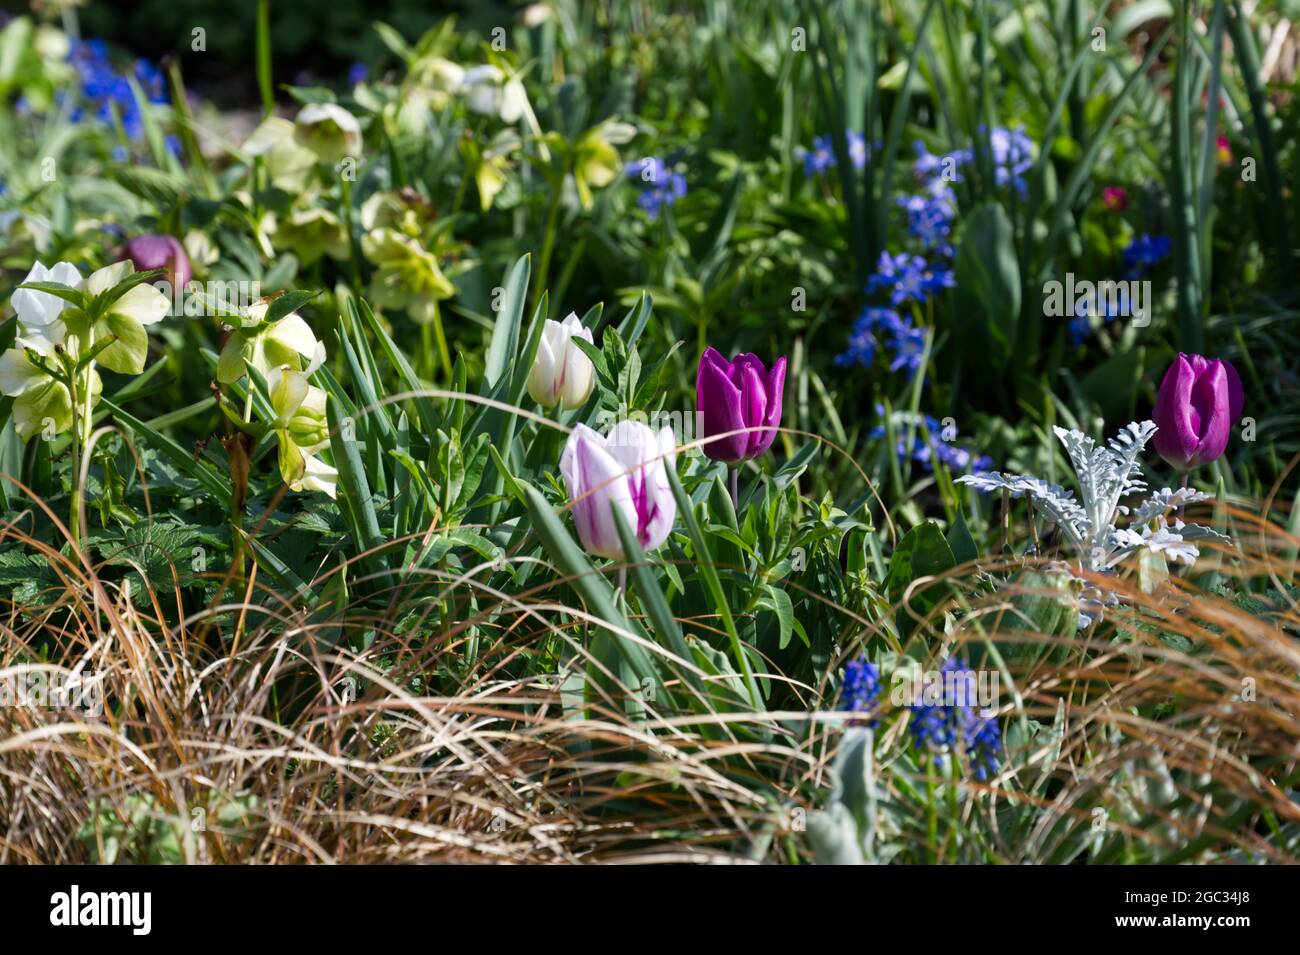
595,160
302,429
311,233
407,276
288,164
41,401
268,345
328,130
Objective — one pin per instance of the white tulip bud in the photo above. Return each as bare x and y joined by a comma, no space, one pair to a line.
562,372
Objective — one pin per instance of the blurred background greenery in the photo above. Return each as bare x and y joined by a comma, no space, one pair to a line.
313,40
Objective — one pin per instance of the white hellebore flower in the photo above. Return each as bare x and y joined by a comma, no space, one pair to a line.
38,312
328,130
562,371
489,93
50,318
625,470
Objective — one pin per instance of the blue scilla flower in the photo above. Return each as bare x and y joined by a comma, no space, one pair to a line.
358,72
928,444
882,330
151,81
660,187
1092,312
863,343
909,278
861,688
956,722
930,217
942,169
1144,252
1013,155
818,159
108,91
822,155
907,342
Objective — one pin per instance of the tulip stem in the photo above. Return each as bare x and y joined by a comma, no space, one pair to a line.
1183,486
735,491
622,583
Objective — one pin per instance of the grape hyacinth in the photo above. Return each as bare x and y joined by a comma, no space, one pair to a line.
861,690
660,187
958,724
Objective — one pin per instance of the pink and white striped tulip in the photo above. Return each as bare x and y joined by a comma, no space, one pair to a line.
627,470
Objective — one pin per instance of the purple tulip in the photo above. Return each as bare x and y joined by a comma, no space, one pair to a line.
148,252
1196,406
735,395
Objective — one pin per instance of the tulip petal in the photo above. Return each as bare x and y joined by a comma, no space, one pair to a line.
596,484
656,522
775,396
753,404
718,400
1236,394
1177,438
542,376
1210,397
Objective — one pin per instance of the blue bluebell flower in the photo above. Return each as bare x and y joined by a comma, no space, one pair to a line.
660,187
860,691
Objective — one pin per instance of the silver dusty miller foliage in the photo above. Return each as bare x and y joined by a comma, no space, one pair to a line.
1105,475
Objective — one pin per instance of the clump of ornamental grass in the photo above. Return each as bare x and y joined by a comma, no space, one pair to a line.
260,731
1164,733
249,732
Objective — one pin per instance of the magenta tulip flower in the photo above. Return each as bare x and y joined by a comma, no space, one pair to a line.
735,395
1198,403
149,252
